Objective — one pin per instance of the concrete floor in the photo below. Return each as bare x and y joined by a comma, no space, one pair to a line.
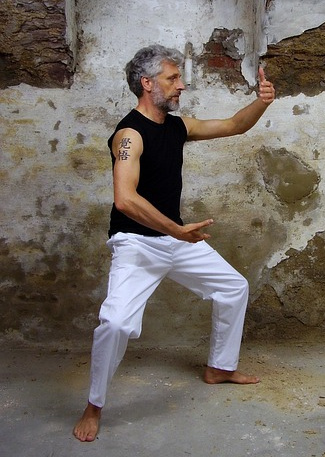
158,404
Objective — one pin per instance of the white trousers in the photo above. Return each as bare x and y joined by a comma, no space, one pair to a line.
139,263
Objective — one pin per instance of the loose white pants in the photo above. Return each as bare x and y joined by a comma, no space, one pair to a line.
139,263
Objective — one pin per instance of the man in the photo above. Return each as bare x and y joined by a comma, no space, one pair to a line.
148,239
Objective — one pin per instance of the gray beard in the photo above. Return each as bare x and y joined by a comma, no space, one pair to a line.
162,103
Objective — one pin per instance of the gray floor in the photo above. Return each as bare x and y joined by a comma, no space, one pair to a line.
158,404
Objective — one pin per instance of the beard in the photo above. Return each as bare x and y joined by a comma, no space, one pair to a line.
163,103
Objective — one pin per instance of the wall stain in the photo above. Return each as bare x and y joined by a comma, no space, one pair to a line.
89,161
80,138
58,281
98,114
19,152
59,210
297,110
286,175
57,125
51,104
53,144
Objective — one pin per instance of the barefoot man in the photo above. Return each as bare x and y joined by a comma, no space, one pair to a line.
147,237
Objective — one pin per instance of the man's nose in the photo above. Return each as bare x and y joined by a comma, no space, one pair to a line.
180,85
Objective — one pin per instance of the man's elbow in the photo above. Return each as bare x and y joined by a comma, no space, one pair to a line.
242,130
236,128
120,205
123,205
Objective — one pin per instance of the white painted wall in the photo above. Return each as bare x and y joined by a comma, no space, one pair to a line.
292,17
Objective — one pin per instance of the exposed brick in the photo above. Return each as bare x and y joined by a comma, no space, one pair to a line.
223,62
221,56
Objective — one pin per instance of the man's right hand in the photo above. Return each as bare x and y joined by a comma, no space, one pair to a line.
192,232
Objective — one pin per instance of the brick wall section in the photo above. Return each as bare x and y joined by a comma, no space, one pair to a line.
33,48
221,56
216,57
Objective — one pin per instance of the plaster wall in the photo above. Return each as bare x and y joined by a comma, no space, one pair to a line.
288,18
56,184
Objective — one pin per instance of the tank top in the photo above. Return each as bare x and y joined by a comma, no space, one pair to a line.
160,180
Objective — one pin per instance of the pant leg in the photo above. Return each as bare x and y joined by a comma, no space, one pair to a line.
202,270
137,268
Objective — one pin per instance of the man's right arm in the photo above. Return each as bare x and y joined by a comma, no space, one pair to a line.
239,123
127,148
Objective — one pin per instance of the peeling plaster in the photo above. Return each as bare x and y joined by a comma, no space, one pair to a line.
294,294
303,14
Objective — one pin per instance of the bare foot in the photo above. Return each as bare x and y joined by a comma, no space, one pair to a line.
88,426
217,376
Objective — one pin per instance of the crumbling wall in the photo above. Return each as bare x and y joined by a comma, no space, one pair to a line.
296,64
265,189
292,298
221,55
291,294
33,46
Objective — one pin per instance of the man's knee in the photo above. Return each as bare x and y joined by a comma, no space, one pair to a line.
243,288
118,326
244,284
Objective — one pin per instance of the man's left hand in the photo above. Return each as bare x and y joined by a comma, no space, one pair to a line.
266,89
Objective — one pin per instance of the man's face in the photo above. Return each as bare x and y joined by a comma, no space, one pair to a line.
167,88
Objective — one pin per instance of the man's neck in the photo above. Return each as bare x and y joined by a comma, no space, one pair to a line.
152,112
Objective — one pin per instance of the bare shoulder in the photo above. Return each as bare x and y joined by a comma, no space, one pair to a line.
126,133
192,126
127,140
189,122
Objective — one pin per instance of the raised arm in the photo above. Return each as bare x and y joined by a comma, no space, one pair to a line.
242,121
127,148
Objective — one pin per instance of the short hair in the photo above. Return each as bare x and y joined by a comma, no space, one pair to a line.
148,62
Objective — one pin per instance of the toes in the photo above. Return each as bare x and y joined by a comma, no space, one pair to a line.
90,438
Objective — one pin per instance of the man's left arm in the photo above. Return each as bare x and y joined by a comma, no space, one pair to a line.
242,121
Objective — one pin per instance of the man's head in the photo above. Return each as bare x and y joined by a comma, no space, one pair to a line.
149,62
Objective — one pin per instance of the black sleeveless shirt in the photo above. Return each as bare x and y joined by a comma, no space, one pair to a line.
161,163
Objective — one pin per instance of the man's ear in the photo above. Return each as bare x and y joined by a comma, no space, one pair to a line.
146,83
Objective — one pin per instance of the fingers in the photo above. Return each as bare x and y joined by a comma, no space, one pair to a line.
192,232
261,74
196,230
267,93
266,89
195,237
205,223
